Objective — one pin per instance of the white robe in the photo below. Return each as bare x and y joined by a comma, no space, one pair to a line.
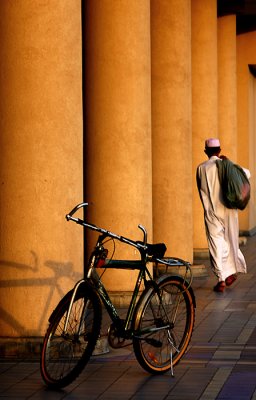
221,223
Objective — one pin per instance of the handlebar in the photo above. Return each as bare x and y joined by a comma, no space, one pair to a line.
138,245
145,234
156,251
75,209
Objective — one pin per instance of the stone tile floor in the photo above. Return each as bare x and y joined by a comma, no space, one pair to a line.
220,363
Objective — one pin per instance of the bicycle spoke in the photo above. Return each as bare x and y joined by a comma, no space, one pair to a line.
164,324
66,351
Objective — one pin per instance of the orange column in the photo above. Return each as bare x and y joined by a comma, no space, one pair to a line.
40,158
246,121
227,88
204,95
171,125
118,123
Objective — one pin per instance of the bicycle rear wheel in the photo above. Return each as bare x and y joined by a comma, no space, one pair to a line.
65,354
163,325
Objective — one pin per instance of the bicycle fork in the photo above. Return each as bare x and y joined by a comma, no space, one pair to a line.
76,287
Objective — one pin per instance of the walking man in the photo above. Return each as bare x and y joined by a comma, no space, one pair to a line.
221,223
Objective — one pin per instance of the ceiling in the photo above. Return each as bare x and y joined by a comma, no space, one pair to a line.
245,11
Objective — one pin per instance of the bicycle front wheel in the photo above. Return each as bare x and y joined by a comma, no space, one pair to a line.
66,352
163,325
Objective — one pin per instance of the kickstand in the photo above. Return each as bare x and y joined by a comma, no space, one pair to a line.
172,347
172,373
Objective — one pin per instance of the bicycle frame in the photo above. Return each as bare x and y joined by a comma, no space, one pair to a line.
139,265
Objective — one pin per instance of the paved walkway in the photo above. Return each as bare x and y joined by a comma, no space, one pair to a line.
220,364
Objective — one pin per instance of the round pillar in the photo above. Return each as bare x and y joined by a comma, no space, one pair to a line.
171,125
227,86
246,121
118,124
204,96
41,159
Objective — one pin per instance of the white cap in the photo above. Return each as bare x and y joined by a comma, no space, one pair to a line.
212,142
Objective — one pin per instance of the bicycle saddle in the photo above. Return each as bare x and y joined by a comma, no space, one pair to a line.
155,250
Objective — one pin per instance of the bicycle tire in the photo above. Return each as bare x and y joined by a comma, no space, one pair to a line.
153,350
63,357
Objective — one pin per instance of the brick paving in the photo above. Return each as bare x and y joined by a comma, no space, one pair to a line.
220,363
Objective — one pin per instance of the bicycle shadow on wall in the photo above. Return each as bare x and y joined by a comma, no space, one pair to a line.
59,271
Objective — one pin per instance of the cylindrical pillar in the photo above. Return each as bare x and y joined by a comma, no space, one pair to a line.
246,121
40,159
227,87
171,125
204,95
118,123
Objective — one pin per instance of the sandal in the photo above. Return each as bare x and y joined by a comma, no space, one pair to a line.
230,279
220,287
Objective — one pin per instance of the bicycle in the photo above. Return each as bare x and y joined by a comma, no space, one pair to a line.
159,322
